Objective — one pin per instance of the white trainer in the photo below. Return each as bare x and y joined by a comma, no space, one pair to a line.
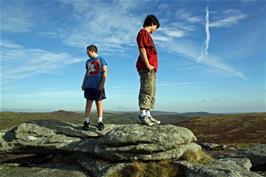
145,121
154,120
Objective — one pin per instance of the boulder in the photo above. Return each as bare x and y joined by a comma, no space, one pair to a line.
118,149
43,171
256,154
217,168
115,143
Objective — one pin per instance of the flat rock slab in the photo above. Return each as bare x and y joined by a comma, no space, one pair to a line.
114,143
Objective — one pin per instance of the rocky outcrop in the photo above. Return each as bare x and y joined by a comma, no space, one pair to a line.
41,171
115,150
115,143
219,168
256,154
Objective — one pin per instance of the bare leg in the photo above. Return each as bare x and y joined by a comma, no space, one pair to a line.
99,106
88,108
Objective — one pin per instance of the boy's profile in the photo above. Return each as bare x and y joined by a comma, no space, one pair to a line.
147,66
93,85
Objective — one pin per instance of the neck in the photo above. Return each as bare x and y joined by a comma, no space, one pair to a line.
148,28
94,55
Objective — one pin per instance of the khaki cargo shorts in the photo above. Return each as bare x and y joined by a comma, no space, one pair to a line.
147,89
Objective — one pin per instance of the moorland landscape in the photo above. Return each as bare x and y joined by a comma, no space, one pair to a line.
241,137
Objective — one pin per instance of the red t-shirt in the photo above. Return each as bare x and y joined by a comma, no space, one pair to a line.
144,40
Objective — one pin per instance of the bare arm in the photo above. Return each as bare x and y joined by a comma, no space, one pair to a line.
144,58
104,76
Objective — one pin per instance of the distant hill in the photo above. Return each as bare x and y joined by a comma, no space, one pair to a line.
197,114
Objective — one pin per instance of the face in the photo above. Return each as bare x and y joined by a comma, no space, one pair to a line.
90,53
153,28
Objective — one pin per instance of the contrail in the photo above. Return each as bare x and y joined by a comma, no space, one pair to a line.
208,37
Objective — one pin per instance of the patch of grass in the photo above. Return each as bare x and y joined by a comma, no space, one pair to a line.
150,169
197,157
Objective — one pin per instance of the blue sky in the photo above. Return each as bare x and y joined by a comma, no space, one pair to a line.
211,53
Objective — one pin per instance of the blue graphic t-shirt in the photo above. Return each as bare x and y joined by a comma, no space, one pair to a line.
94,67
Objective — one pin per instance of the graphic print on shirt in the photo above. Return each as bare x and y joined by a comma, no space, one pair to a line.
93,67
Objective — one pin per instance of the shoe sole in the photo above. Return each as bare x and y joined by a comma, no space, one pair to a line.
85,128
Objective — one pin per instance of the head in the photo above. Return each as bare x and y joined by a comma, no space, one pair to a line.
92,50
152,22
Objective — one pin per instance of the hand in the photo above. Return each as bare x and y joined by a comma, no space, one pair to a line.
101,95
150,67
100,88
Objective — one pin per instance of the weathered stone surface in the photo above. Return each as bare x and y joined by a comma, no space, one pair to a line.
167,136
101,153
115,143
242,162
136,142
214,146
217,168
99,168
256,154
121,153
58,171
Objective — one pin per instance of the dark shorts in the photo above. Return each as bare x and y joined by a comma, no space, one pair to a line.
94,94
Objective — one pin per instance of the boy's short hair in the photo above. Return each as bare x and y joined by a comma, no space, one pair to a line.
93,48
151,19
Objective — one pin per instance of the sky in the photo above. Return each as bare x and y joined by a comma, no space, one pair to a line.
211,53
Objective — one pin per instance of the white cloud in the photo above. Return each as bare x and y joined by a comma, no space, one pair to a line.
176,84
228,18
204,53
109,25
172,32
18,62
187,16
190,50
14,17
161,38
8,44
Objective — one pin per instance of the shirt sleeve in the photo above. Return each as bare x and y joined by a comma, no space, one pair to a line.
142,39
103,62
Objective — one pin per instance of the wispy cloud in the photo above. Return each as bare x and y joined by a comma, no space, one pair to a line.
18,62
173,32
113,28
187,16
14,17
228,18
191,50
208,37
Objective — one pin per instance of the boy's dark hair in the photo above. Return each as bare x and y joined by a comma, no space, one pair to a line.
151,19
93,48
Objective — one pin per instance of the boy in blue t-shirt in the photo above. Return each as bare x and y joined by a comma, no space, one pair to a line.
93,85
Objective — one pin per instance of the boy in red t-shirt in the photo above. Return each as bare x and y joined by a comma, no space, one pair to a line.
147,66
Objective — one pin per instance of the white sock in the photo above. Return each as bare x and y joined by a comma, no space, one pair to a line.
148,113
87,119
143,113
100,119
